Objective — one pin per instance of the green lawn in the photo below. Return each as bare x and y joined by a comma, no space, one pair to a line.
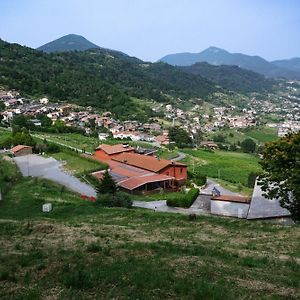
4,134
78,164
230,166
80,141
262,135
83,251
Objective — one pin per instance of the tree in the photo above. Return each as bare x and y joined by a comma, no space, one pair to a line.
219,138
180,137
281,178
198,137
21,121
107,185
248,145
46,121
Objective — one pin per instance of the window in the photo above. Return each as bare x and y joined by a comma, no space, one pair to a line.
181,171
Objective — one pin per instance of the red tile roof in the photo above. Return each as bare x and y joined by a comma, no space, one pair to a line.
114,149
19,147
145,162
134,182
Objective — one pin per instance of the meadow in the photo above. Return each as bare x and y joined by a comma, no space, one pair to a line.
260,135
233,167
83,251
77,164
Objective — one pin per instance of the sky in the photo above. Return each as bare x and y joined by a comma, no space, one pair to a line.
151,29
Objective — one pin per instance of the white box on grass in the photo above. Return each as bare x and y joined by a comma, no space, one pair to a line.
47,207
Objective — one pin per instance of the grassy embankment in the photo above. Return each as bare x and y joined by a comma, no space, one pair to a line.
232,168
81,251
259,135
77,164
84,142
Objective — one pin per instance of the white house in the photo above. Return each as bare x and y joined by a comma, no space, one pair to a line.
44,100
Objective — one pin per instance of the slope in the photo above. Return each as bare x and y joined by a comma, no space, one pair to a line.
292,64
231,77
98,77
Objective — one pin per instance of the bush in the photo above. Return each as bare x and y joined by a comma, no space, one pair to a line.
118,199
186,200
200,180
53,148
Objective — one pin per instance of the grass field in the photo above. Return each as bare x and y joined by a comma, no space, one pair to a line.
77,164
82,251
259,135
262,135
4,134
230,166
80,141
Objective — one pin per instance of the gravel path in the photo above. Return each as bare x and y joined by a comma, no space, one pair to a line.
50,168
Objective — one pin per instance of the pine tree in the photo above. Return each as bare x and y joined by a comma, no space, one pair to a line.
107,185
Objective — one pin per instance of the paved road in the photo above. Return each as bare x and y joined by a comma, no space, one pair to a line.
179,157
50,168
211,184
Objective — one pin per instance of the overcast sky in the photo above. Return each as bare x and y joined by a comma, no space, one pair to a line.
150,29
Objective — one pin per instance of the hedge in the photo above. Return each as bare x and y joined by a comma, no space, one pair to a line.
186,200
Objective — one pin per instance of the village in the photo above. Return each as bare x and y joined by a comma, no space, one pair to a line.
193,121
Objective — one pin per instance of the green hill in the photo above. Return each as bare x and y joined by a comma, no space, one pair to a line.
231,77
99,77
70,42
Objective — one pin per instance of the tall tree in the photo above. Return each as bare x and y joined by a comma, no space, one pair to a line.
248,145
107,185
281,178
180,137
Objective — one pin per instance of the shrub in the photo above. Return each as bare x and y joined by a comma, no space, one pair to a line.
118,199
186,200
200,180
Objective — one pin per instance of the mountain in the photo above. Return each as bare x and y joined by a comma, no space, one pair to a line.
217,56
70,42
292,64
231,77
99,77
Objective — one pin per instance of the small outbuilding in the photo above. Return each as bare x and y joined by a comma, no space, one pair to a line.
230,206
21,150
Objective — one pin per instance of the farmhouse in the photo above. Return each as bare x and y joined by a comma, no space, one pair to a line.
106,152
21,150
135,180
160,166
139,173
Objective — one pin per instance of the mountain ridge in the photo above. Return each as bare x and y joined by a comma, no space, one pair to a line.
218,56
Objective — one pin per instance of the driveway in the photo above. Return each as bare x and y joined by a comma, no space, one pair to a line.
211,184
50,168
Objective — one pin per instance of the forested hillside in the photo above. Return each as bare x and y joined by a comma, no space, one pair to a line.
98,77
231,77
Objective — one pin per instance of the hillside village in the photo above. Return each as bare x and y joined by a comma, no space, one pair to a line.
193,121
